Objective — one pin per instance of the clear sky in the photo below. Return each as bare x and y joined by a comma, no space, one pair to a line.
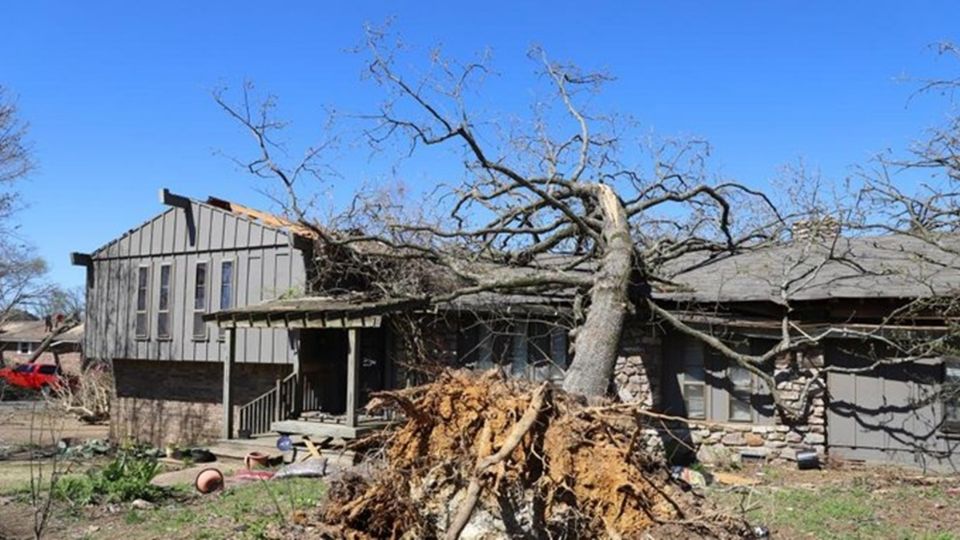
118,93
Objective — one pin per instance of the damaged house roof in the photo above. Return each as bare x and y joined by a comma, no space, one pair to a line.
895,266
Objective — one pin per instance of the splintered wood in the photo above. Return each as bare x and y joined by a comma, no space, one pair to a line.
482,456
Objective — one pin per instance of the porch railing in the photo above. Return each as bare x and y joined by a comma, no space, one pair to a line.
279,403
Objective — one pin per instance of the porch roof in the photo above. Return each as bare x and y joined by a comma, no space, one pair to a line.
312,312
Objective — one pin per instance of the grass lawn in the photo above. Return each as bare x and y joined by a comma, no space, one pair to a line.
241,512
838,504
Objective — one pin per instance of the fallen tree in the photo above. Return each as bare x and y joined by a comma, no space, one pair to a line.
486,456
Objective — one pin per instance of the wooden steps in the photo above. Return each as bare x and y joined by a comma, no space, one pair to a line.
239,448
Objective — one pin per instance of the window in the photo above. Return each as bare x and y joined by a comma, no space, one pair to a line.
950,394
47,369
25,347
694,381
226,290
200,301
531,350
163,303
741,391
23,368
226,284
143,292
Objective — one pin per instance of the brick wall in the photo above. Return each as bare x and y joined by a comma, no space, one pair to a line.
164,402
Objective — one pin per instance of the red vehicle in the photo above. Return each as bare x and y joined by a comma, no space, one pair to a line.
41,377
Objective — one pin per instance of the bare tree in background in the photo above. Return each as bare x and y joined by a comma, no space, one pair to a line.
21,271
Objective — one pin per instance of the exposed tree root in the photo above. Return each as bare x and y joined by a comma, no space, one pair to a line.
487,457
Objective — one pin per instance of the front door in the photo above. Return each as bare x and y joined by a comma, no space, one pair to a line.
323,363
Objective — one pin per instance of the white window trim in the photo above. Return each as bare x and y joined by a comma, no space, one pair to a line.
170,292
221,332
731,396
206,301
145,336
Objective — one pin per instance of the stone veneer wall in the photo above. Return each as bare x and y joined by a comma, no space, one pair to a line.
637,379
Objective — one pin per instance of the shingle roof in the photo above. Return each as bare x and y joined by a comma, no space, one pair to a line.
867,267
35,331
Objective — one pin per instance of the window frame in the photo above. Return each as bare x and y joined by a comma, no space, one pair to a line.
686,381
221,333
161,310
29,347
204,334
147,289
736,392
949,426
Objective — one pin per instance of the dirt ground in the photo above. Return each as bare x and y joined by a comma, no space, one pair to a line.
33,423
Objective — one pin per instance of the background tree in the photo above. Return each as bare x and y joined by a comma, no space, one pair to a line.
21,272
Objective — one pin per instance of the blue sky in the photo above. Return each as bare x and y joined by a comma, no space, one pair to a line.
118,93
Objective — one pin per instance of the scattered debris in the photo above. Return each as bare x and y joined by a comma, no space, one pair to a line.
141,504
251,476
807,459
484,456
256,459
209,480
730,479
312,468
688,477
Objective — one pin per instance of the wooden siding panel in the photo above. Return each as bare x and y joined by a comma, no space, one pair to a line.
242,239
254,288
204,222
169,229
216,230
265,267
229,240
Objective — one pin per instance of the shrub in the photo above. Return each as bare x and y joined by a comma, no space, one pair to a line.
76,490
124,479
127,478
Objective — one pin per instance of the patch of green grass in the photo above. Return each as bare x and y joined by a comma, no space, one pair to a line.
241,512
827,513
847,510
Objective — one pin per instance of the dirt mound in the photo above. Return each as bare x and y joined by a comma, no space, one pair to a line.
482,456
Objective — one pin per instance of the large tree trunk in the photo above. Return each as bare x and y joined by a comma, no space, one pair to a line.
597,342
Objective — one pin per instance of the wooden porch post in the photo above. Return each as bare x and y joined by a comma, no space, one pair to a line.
353,357
227,383
298,380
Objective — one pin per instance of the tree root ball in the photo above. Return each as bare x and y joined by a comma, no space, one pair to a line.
576,472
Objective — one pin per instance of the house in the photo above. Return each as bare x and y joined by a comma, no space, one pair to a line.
147,292
272,358
20,339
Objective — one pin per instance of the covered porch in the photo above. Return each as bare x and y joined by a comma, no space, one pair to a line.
343,356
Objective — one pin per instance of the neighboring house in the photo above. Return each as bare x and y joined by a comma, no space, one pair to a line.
20,339
302,364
